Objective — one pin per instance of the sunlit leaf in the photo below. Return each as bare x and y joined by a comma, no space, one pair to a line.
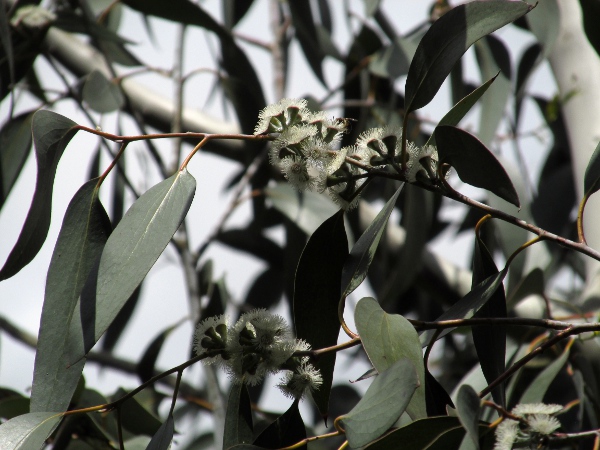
446,41
238,417
317,288
28,431
360,257
130,252
84,232
388,338
474,163
51,134
385,400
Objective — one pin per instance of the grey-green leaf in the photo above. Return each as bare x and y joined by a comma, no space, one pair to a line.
130,252
388,338
468,405
361,255
474,163
458,111
383,403
448,39
100,94
537,389
238,417
84,232
15,143
28,431
51,134
417,435
164,436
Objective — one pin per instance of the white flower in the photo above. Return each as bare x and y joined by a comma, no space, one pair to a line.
507,433
295,169
423,160
306,378
524,409
277,117
543,423
291,138
211,334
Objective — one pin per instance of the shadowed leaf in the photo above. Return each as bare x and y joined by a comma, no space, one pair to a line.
591,181
15,143
51,134
467,406
287,430
474,163
164,436
100,94
238,418
417,435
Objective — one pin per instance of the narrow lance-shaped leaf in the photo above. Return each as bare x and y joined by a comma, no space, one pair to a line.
287,430
238,417
84,232
28,431
448,39
317,288
382,404
360,257
474,163
130,252
51,134
15,143
591,180
164,436
467,406
388,338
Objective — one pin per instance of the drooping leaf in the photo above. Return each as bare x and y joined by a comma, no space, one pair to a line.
135,415
317,288
458,111
267,288
467,406
15,143
288,429
474,163
360,257
490,341
146,364
164,436
234,11
28,431
537,389
544,23
390,62
117,327
436,396
533,283
238,417
100,94
591,180
254,243
467,306
306,33
130,252
51,134
84,232
529,61
446,41
590,11
388,338
417,435
308,210
383,403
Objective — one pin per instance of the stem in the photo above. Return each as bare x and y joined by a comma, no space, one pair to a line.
580,234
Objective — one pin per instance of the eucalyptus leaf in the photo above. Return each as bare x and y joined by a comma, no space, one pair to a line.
51,134
28,431
417,435
238,417
130,252
388,338
468,405
306,33
385,400
164,436
473,162
591,180
84,232
446,41
15,144
287,430
360,257
537,388
317,288
100,94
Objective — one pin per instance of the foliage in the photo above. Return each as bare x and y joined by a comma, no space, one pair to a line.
317,180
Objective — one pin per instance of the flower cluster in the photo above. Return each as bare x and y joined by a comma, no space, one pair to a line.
259,343
540,422
306,151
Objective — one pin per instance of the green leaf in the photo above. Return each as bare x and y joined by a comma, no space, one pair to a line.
490,340
84,232
306,33
390,62
317,288
537,389
417,435
130,252
164,436
458,111
467,406
287,430
15,143
135,416
383,403
238,417
467,306
473,162
145,367
446,41
360,257
388,338
591,180
590,11
544,23
28,431
100,94
51,134
308,210
234,11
